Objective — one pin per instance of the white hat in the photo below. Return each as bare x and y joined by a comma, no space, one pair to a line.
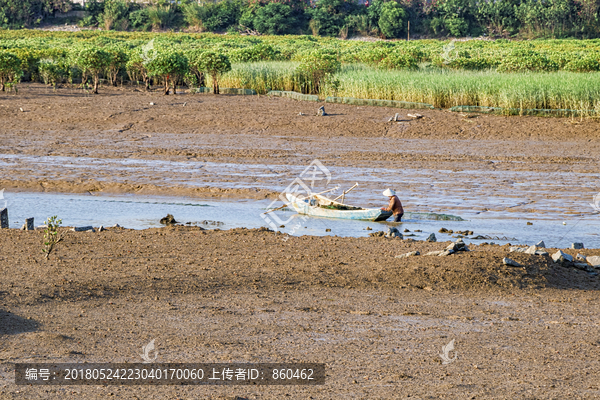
389,192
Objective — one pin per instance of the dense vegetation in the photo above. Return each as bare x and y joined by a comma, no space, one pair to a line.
384,18
516,74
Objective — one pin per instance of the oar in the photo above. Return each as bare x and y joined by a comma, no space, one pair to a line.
285,205
346,192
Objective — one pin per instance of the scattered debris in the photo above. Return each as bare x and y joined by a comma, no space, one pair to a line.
511,263
435,253
151,104
594,261
168,220
446,252
444,230
394,232
83,229
562,258
395,118
406,230
411,254
415,116
301,113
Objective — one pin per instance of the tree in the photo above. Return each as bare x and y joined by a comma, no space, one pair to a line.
314,69
93,62
215,64
10,68
275,19
118,61
136,68
330,16
169,65
115,15
392,19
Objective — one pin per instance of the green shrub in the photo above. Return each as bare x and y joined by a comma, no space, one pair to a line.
168,65
526,60
215,64
392,20
399,60
585,64
258,52
10,69
94,62
314,69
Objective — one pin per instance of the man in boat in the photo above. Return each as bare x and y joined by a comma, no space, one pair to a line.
395,205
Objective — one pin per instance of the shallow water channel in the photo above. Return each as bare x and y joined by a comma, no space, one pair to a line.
139,212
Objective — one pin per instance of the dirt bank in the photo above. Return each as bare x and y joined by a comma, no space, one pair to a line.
245,295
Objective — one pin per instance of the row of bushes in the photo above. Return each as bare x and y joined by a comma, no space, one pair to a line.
169,67
386,18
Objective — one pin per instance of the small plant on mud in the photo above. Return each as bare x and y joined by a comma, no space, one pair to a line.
51,235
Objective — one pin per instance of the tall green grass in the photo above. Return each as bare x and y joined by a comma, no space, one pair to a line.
442,88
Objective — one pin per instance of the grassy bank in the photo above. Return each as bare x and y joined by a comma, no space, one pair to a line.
442,88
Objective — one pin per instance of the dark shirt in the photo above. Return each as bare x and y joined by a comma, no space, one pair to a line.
395,206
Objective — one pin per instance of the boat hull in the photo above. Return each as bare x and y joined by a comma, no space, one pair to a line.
302,206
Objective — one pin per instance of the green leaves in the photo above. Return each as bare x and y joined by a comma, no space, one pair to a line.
10,68
392,20
93,60
51,235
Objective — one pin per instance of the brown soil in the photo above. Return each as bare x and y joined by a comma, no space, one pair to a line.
378,322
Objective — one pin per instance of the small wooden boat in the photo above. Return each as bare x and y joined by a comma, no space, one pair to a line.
321,206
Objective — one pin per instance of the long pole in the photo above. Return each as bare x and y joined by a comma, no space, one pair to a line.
344,193
408,37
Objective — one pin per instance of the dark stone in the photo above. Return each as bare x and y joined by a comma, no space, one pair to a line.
168,220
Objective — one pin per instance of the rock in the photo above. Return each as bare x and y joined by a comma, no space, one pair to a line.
415,116
594,261
443,230
101,229
116,226
411,254
394,232
510,263
577,246
29,224
23,227
321,112
580,257
369,228
151,104
435,253
478,237
418,230
377,234
282,226
395,118
83,229
541,244
327,230
531,250
541,253
431,238
4,218
529,223
446,252
459,245
168,220
517,249
406,230
583,267
561,257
